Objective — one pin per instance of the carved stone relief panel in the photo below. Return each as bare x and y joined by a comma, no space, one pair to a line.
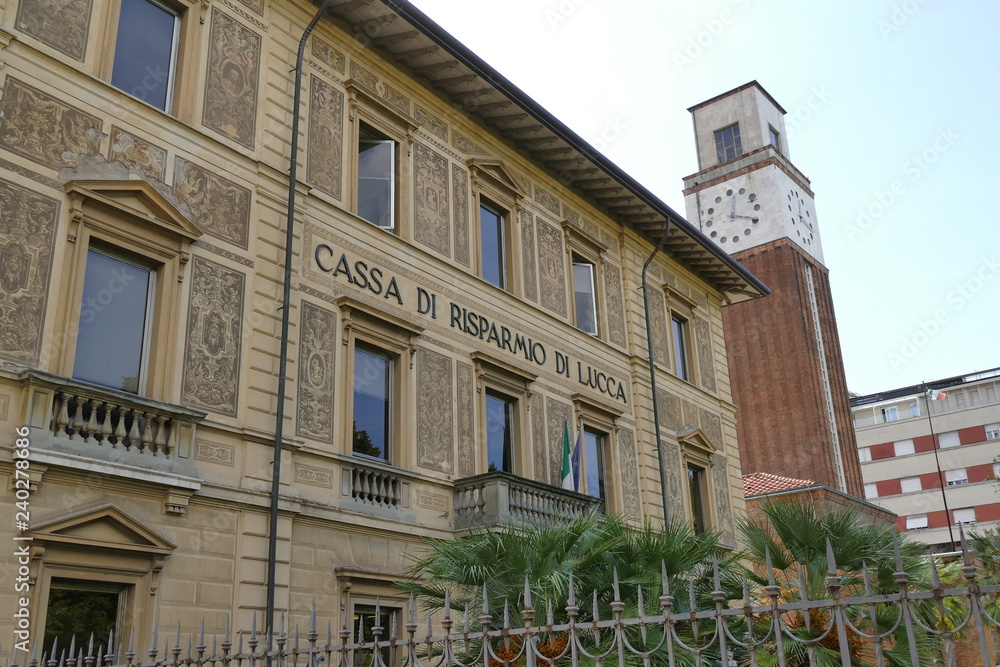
528,256
396,99
670,411
63,25
551,267
430,199
219,206
363,76
435,442
676,479
538,436
659,326
44,129
231,83
616,304
27,234
690,414
460,190
431,123
328,55
317,351
711,425
256,5
547,199
706,360
135,151
466,423
724,513
324,163
466,145
630,473
313,476
559,414
214,340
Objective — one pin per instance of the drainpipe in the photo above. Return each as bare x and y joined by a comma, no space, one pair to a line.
272,534
652,372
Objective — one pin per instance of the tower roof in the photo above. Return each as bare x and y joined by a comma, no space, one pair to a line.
738,89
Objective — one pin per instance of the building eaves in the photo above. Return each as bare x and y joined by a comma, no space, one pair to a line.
918,389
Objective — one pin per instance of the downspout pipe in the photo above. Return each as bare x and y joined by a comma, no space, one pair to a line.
652,372
272,533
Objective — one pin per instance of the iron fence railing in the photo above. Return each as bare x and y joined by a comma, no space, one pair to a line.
773,624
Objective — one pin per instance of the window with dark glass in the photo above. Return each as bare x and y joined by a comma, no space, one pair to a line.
585,295
728,144
146,51
679,327
593,463
499,432
774,137
83,610
365,619
491,244
696,488
115,313
372,402
376,178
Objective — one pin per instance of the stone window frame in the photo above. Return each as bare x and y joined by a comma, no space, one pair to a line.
697,449
359,586
363,106
578,242
135,221
604,418
492,181
495,375
193,17
361,322
685,308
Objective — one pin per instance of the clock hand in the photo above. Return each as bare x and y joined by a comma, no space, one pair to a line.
732,210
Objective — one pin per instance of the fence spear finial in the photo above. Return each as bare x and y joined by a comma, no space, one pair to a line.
831,562
769,565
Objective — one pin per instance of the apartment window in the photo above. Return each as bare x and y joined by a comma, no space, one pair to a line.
146,51
727,143
916,521
365,618
373,394
959,399
956,477
974,397
914,409
115,314
696,490
903,448
910,484
593,476
500,410
993,431
679,329
585,294
376,178
996,471
865,454
991,394
492,243
949,439
84,609
965,515
890,414
774,137
871,491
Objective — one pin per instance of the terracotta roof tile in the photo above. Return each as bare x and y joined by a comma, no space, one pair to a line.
759,483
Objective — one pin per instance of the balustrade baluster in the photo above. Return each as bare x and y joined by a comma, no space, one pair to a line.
77,426
160,442
380,493
147,433
92,422
355,483
392,492
133,432
120,427
171,438
106,423
62,414
366,486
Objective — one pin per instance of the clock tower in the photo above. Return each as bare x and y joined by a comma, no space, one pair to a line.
787,372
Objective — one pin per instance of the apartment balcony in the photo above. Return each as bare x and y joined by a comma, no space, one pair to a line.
500,498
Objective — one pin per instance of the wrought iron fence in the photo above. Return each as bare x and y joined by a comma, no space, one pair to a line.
773,624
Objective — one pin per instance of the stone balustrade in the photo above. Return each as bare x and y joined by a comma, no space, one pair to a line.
374,485
498,498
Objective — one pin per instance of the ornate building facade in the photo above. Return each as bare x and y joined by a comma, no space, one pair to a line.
466,283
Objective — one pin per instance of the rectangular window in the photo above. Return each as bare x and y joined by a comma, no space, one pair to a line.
594,444
492,244
903,448
871,491
376,178
696,487
991,394
916,521
115,317
910,484
373,382
365,619
890,414
956,477
993,431
960,399
83,609
965,515
727,143
679,327
774,137
914,409
865,454
500,432
949,439
585,295
146,51
974,397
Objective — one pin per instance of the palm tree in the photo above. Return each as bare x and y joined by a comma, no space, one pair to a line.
986,547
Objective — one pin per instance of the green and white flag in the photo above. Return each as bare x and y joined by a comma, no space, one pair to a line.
567,466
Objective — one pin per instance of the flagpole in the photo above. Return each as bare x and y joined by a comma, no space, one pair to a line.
937,462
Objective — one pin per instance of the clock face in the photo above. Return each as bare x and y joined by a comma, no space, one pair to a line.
800,218
732,215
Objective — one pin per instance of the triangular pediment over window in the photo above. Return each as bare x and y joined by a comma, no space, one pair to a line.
498,175
694,438
136,199
104,527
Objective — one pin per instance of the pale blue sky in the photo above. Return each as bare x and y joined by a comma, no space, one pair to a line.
870,87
